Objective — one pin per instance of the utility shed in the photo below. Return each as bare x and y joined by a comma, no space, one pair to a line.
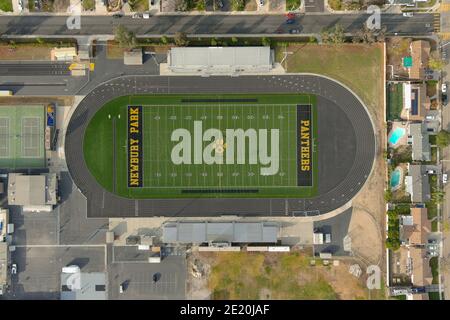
232,232
133,57
214,60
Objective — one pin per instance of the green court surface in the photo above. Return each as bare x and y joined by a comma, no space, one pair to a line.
268,122
22,136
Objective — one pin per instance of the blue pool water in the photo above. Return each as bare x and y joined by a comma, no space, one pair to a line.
395,178
396,135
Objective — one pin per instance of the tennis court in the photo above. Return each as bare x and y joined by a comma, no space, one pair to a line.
22,136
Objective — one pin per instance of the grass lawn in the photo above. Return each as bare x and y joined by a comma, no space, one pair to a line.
253,276
335,4
426,4
89,5
394,103
356,65
434,265
6,5
433,295
139,5
293,4
432,140
105,146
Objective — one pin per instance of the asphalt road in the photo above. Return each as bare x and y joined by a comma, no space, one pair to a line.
210,24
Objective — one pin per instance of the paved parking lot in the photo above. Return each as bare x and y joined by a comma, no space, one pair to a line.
33,228
39,269
137,279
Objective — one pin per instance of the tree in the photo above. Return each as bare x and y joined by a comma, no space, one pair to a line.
125,38
436,63
181,39
164,40
364,35
437,197
213,42
234,40
265,41
443,138
237,5
333,35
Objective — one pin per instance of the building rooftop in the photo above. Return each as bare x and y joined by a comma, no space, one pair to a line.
230,232
421,150
220,59
133,57
32,191
420,267
83,286
3,264
416,233
417,184
420,53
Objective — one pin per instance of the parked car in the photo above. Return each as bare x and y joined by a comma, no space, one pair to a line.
117,15
261,3
220,4
13,268
20,5
418,290
431,171
444,178
408,14
136,16
444,99
121,289
146,15
156,276
294,31
444,87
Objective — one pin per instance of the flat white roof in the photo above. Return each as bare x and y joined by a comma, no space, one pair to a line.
214,57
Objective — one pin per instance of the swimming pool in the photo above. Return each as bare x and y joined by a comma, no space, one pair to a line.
396,135
395,178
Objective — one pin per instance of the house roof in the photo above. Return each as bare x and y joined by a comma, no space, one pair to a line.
420,53
420,264
417,232
421,150
420,186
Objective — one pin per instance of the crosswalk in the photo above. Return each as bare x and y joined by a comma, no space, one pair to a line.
437,22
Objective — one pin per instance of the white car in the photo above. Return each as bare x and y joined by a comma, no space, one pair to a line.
13,268
20,5
408,14
146,15
444,178
444,87
261,3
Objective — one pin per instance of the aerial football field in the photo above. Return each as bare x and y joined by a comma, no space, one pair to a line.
208,146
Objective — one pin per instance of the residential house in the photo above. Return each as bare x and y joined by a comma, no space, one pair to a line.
416,103
414,228
420,54
420,267
417,184
419,139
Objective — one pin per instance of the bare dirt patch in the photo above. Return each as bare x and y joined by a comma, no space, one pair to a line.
274,276
24,52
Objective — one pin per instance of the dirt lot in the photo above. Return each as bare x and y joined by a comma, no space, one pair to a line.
24,52
396,49
244,275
